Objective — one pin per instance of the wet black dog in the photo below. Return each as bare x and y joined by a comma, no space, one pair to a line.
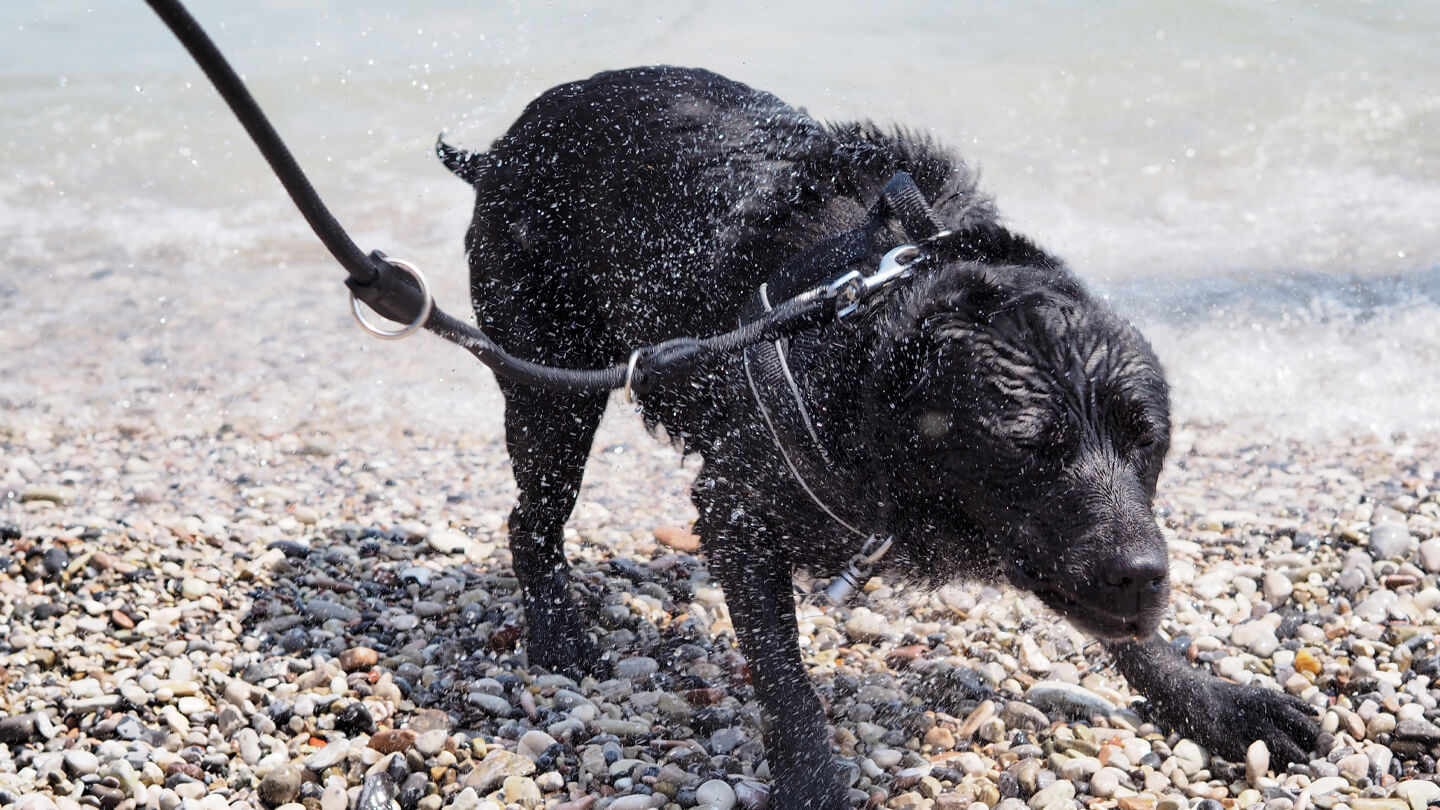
987,412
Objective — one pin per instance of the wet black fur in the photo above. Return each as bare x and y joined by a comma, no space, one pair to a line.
1001,421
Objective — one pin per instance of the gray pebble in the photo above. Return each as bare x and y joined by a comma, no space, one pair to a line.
79,762
635,667
281,785
724,740
321,610
1068,698
1391,541
716,793
494,704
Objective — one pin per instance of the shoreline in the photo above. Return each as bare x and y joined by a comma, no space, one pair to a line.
213,616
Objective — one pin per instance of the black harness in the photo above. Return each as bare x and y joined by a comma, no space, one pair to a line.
771,378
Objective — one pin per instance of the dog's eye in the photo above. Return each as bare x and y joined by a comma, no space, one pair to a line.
933,424
1144,434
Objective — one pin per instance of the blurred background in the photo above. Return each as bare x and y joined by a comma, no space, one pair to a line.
1257,185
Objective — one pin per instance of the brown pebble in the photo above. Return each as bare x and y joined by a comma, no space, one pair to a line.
704,697
358,658
678,538
181,766
1400,580
981,713
505,638
901,657
952,801
429,720
940,737
582,803
393,740
1141,802
122,620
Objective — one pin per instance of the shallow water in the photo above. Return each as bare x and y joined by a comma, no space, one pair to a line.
1257,185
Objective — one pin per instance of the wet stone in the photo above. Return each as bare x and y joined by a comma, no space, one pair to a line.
1068,699
281,785
1058,794
321,610
376,793
431,742
17,729
1022,716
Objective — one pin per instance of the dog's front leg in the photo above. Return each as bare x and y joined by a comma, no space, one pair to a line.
756,576
1221,715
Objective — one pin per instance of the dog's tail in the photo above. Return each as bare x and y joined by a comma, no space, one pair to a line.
468,166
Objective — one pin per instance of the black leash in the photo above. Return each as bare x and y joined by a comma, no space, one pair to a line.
398,291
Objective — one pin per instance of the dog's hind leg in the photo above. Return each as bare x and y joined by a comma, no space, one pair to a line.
549,437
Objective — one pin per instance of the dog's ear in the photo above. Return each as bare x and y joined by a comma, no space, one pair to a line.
468,166
972,297
993,244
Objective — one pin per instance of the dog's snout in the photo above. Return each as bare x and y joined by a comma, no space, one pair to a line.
1136,572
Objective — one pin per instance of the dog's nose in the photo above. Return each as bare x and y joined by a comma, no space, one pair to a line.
1136,573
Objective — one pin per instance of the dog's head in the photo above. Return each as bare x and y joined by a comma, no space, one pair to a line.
1016,406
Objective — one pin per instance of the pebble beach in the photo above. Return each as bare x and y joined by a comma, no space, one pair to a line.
308,609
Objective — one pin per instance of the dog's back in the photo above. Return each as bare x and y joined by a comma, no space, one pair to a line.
648,203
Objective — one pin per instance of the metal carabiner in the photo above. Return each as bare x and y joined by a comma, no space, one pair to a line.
895,264
852,288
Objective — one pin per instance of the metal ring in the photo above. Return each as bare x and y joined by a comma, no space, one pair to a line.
630,374
420,319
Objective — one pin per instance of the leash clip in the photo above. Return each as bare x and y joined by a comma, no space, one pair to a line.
852,288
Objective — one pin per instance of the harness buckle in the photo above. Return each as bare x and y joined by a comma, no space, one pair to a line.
842,587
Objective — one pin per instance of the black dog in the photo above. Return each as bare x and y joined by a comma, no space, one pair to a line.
986,411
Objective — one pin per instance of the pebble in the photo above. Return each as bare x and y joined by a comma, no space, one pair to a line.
376,793
1257,761
1105,782
281,785
80,763
1190,756
1058,794
523,791
393,740
1430,554
1068,698
534,743
1418,793
1327,784
1391,541
716,793
497,765
358,658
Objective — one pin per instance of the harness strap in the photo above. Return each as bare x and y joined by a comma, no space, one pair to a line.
911,208
782,408
781,402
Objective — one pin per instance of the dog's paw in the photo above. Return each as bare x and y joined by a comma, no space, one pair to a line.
820,787
556,640
1234,716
